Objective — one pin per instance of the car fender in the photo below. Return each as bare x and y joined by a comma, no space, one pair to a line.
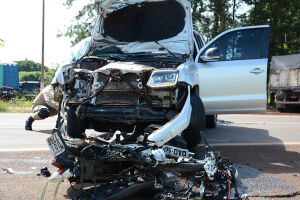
188,73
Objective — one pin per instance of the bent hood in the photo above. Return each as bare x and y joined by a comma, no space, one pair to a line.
136,25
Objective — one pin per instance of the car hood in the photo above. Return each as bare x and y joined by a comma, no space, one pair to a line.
136,26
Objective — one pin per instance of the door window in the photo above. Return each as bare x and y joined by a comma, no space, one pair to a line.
242,44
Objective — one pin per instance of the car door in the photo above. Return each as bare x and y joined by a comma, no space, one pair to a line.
232,71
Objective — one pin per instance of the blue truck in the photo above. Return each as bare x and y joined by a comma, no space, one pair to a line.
9,78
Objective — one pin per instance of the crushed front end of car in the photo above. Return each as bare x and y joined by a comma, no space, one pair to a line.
136,74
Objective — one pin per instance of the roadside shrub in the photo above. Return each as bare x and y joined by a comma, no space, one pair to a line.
3,106
36,75
18,104
49,74
30,76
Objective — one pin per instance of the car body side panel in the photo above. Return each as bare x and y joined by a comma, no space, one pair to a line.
230,87
233,86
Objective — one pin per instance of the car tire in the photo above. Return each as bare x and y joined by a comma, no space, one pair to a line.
75,126
211,121
197,122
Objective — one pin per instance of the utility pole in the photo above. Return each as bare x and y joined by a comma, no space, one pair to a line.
43,48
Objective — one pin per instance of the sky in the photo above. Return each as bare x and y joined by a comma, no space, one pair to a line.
21,29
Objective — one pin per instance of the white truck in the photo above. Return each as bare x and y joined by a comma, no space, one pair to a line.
285,82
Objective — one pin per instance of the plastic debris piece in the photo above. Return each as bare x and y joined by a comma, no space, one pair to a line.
44,172
9,170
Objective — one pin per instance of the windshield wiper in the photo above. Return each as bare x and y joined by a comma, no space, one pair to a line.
170,52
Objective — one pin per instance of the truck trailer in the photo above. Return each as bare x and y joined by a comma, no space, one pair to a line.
9,78
285,82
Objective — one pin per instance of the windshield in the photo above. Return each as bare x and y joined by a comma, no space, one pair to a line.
145,22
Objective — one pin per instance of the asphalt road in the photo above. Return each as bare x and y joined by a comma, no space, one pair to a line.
265,148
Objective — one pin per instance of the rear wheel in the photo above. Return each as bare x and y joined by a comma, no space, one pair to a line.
211,121
75,126
197,122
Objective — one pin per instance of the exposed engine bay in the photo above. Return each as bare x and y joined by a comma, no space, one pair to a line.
116,84
108,95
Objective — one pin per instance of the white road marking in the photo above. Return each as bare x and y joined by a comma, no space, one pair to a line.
23,149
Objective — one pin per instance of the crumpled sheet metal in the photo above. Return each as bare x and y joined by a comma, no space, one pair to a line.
77,52
112,5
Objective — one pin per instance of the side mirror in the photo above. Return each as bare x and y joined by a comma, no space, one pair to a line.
211,54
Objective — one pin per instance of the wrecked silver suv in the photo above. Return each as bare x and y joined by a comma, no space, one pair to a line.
136,74
143,70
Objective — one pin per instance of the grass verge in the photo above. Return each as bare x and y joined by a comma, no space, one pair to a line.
17,105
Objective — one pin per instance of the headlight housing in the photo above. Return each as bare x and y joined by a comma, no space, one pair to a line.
163,78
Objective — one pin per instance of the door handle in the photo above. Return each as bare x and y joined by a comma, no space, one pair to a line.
257,71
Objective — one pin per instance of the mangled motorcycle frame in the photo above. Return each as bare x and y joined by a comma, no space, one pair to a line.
123,170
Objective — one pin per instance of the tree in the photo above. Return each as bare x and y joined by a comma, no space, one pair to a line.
28,66
29,76
283,16
31,71
211,17
84,22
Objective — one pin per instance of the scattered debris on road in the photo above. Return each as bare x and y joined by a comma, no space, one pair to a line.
44,172
9,170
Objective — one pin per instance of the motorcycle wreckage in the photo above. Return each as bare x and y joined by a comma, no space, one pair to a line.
121,169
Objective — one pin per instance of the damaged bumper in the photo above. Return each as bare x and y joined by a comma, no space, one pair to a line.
175,126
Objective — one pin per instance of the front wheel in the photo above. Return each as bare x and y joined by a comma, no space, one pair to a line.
75,126
197,122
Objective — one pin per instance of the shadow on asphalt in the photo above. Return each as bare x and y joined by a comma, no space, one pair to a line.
274,159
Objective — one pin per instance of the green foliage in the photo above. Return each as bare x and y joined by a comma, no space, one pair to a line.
3,106
36,76
283,16
84,22
49,75
30,76
17,104
31,71
28,66
212,17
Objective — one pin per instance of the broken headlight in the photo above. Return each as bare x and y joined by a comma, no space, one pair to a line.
163,78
